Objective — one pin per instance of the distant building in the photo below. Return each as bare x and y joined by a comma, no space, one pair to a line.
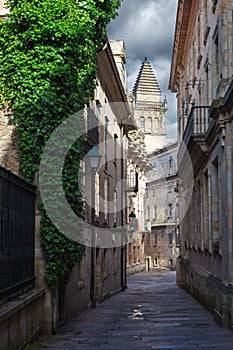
161,208
148,109
137,166
201,76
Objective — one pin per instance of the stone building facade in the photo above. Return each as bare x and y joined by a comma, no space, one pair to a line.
137,166
102,271
161,208
161,246
201,76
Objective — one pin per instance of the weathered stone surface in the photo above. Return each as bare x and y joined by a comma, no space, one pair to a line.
170,319
8,144
21,320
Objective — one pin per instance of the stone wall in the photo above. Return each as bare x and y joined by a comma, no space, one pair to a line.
8,143
212,292
21,320
204,83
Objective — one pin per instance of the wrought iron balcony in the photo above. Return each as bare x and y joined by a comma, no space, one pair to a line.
195,137
198,123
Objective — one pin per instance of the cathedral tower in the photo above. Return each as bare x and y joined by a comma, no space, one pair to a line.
149,111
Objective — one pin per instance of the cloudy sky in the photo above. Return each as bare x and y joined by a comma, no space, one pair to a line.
147,28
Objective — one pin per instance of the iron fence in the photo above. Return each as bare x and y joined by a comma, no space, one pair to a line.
17,233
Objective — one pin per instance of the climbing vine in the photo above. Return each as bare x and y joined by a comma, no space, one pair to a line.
48,55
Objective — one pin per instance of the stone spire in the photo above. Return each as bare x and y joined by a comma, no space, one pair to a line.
148,109
146,87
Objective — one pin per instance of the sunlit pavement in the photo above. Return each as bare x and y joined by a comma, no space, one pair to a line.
153,313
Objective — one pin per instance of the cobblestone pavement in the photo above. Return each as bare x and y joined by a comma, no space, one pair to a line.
153,313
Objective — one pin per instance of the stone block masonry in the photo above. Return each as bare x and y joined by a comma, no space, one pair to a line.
9,148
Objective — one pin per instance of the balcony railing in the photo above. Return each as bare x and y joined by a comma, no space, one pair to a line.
198,122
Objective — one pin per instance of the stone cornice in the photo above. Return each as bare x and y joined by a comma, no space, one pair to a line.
185,22
192,17
110,80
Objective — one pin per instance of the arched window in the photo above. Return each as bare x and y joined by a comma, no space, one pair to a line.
142,123
149,124
156,125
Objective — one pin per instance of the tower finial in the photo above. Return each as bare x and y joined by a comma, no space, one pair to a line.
146,59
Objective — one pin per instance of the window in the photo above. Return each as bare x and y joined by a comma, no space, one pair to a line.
142,123
169,186
115,147
106,201
214,5
115,209
171,162
156,125
216,55
177,237
207,81
199,37
97,111
155,166
216,59
106,142
170,238
155,212
148,239
154,190
149,124
170,262
131,178
147,192
97,196
155,239
206,24
134,255
148,213
136,181
170,207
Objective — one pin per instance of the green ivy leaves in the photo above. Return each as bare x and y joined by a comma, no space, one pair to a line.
47,72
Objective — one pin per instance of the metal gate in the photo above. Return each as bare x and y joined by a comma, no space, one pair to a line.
17,233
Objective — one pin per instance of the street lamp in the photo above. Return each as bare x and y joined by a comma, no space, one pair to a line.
132,217
94,158
94,162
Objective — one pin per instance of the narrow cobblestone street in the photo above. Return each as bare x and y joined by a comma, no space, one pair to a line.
153,313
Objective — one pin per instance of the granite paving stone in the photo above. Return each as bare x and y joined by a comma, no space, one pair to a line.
153,313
